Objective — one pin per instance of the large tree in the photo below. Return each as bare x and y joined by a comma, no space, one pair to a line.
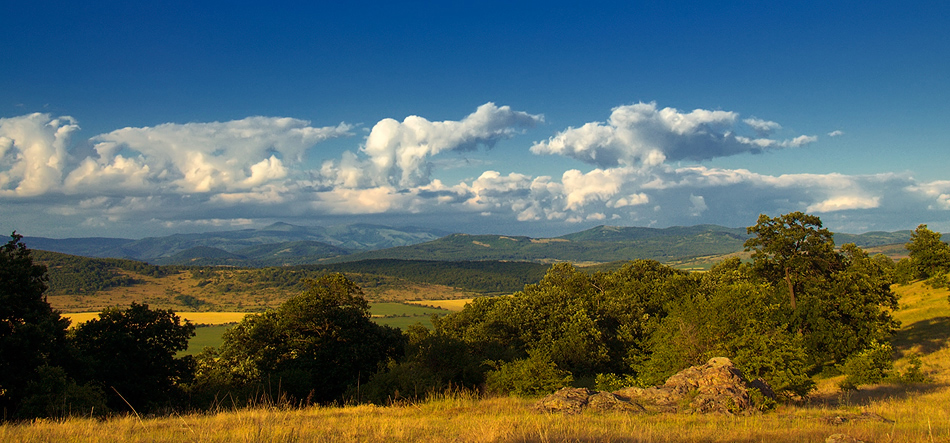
838,301
794,249
929,255
31,332
131,353
312,347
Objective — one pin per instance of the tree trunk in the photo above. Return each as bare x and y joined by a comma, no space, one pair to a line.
791,287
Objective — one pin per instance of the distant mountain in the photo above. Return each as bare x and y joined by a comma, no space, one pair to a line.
284,244
271,254
598,245
344,239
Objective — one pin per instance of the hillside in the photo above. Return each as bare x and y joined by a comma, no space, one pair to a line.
344,238
82,283
283,244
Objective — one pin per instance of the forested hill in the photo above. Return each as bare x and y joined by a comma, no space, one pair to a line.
334,240
69,274
285,245
598,245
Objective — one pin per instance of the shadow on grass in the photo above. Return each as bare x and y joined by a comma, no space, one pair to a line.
929,335
867,394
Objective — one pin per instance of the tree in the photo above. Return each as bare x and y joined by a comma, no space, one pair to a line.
31,332
839,301
735,317
312,347
131,353
792,248
929,255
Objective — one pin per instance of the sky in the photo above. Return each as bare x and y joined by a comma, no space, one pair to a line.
138,119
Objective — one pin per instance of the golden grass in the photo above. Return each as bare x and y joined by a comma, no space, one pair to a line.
920,418
198,318
451,305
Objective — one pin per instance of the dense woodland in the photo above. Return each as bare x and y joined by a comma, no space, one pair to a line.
800,307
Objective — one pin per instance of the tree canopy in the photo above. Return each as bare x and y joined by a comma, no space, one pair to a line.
32,334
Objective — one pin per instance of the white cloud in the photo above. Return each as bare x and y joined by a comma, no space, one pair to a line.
642,135
580,188
398,152
843,203
237,155
936,192
33,153
699,205
762,127
835,133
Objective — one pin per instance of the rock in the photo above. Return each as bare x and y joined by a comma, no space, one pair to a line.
566,400
716,387
606,401
864,416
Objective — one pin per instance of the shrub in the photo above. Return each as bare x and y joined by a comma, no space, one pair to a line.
868,366
533,376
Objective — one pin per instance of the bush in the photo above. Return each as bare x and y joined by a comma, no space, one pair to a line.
614,382
533,376
868,366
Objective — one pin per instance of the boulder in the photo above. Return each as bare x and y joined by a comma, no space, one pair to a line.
716,387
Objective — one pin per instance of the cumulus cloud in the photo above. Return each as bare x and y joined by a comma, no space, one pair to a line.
398,153
33,153
226,174
238,155
643,135
835,133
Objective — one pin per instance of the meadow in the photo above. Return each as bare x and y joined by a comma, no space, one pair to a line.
877,413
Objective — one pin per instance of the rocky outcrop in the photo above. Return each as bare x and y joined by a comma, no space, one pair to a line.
716,387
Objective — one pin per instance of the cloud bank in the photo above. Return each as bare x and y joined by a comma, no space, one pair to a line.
242,172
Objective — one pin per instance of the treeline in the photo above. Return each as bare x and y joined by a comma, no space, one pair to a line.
801,307
69,274
478,276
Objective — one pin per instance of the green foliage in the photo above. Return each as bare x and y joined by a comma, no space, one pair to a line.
32,334
528,377
69,274
613,382
938,281
792,248
55,395
733,318
868,366
131,352
433,363
913,373
586,324
312,347
837,301
929,255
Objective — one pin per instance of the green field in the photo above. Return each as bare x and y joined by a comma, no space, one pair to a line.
398,315
205,336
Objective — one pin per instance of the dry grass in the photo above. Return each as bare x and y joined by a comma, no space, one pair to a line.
918,418
451,305
198,318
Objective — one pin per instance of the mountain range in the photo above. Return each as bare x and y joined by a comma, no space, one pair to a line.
285,244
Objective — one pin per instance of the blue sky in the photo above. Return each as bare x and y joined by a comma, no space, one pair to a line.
529,118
